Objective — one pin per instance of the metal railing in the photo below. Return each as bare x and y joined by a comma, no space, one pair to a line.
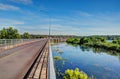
51,68
10,43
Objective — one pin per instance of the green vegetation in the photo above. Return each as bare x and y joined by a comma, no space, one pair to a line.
73,40
26,35
52,44
38,36
75,74
57,58
117,41
97,42
58,50
11,33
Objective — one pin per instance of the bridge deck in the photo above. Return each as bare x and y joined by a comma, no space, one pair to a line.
16,62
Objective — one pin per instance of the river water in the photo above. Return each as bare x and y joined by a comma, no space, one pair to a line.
99,63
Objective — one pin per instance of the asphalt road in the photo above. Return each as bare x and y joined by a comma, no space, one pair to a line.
15,62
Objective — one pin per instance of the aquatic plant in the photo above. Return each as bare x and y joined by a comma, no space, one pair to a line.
60,52
52,44
57,58
56,49
75,74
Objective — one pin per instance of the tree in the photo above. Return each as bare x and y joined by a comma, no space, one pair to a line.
73,40
9,33
115,42
3,33
84,40
26,35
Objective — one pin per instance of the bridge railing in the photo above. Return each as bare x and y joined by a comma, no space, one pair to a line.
51,68
10,43
6,42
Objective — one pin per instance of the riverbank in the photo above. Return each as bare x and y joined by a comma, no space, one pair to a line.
97,42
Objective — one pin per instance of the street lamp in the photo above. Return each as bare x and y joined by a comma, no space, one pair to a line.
49,26
49,19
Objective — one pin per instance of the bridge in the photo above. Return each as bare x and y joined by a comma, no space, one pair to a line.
26,59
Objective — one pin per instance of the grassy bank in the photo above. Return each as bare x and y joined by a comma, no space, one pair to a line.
97,42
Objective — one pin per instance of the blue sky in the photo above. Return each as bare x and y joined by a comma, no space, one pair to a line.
69,17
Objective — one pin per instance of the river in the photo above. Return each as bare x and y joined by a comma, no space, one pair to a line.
99,63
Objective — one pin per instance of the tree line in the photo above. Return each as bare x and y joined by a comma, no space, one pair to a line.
97,42
12,33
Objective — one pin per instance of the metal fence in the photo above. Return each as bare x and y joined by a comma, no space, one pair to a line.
10,43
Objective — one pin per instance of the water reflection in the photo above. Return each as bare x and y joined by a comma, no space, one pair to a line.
75,45
100,50
100,63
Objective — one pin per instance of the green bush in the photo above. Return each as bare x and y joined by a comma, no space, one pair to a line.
97,42
75,74
115,42
73,40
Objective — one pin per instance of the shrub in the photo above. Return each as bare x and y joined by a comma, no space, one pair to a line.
75,74
73,40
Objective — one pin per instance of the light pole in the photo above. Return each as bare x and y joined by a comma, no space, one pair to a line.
49,19
51,74
49,27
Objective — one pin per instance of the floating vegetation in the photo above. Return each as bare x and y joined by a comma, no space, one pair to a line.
57,58
52,44
60,52
60,74
56,49
75,74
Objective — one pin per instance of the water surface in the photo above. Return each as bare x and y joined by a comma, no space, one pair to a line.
97,62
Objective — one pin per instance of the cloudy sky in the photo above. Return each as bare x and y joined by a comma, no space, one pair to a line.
69,17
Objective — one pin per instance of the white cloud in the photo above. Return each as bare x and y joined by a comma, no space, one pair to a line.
8,7
10,22
23,1
69,25
43,8
64,25
96,24
1,27
52,20
82,13
55,29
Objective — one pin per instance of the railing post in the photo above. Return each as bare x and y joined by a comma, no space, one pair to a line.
5,42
